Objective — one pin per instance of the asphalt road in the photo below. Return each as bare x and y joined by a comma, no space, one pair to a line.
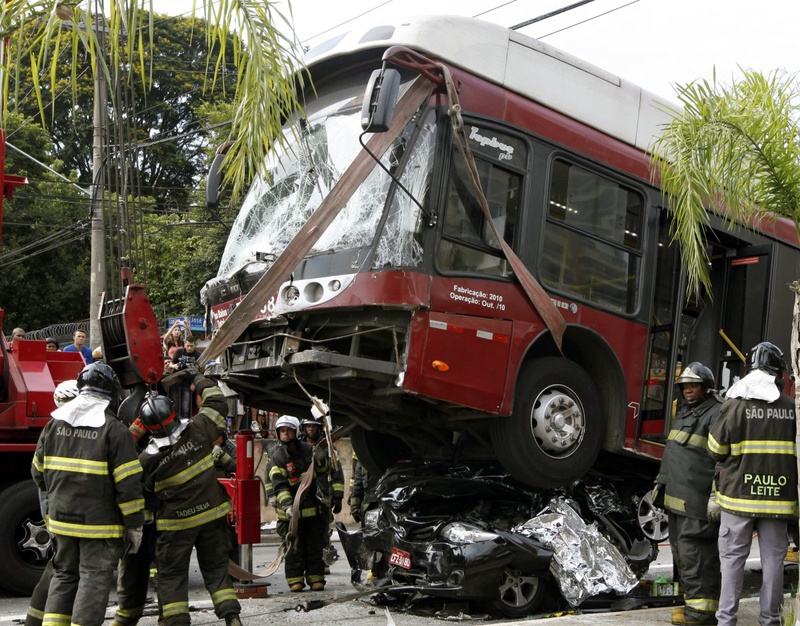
279,607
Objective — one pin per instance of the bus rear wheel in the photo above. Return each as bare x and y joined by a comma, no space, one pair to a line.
555,431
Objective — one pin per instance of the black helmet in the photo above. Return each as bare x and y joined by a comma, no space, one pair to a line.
99,378
310,422
696,372
158,415
768,357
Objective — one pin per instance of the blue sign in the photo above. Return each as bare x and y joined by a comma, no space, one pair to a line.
196,322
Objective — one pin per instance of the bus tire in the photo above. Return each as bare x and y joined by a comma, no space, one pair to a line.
377,451
555,431
20,526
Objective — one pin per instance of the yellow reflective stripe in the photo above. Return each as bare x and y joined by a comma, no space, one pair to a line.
82,466
37,464
716,447
215,416
676,504
757,507
277,470
702,604
86,531
35,613
283,496
211,391
765,446
223,595
174,608
308,512
56,619
121,472
293,580
315,578
195,520
186,475
681,436
134,612
132,506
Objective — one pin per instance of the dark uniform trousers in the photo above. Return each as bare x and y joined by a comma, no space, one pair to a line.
695,553
39,597
173,553
133,579
305,560
83,573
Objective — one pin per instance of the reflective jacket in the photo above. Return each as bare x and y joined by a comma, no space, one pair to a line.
92,478
286,471
330,486
215,406
181,473
754,442
362,488
687,470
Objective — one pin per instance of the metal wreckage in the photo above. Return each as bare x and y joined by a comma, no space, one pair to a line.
475,534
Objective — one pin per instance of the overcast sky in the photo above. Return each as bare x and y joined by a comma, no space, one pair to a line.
654,43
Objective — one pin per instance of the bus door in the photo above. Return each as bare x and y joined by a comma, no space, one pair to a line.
717,331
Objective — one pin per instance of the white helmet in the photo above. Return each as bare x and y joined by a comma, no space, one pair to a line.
287,421
65,391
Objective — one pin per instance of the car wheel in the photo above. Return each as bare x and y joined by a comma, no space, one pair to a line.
652,519
377,451
554,434
519,594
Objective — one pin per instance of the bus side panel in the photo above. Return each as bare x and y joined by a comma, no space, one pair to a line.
463,359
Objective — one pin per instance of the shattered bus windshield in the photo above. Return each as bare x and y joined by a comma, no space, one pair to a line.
317,151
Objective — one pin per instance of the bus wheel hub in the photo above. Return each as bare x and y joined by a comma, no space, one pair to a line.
557,422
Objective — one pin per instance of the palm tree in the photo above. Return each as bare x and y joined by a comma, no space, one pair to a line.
735,150
267,62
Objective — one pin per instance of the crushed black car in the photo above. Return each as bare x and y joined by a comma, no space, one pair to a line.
469,533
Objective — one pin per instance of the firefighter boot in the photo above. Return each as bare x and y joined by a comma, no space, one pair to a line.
679,616
232,619
296,587
318,586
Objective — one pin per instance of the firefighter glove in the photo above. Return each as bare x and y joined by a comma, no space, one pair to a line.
336,507
133,537
137,429
289,512
356,514
713,510
217,452
273,502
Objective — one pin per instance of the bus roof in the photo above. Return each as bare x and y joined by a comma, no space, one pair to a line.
519,63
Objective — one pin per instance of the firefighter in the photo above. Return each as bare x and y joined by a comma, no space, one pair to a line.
291,461
753,441
685,478
330,487
135,570
362,491
64,392
179,469
86,462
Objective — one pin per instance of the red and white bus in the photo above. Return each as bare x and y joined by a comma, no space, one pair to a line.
406,317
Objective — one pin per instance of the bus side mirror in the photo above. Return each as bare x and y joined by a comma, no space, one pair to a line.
214,179
379,100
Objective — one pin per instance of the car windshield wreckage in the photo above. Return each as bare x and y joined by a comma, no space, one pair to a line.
476,535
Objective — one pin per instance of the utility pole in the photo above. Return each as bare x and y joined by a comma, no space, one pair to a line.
98,256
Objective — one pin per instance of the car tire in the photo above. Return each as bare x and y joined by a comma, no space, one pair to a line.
377,451
519,594
555,431
20,523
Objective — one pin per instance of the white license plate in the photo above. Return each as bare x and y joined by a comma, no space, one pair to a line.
401,558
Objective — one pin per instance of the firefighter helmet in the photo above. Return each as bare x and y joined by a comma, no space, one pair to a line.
99,378
696,372
287,421
310,422
158,415
768,357
65,391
